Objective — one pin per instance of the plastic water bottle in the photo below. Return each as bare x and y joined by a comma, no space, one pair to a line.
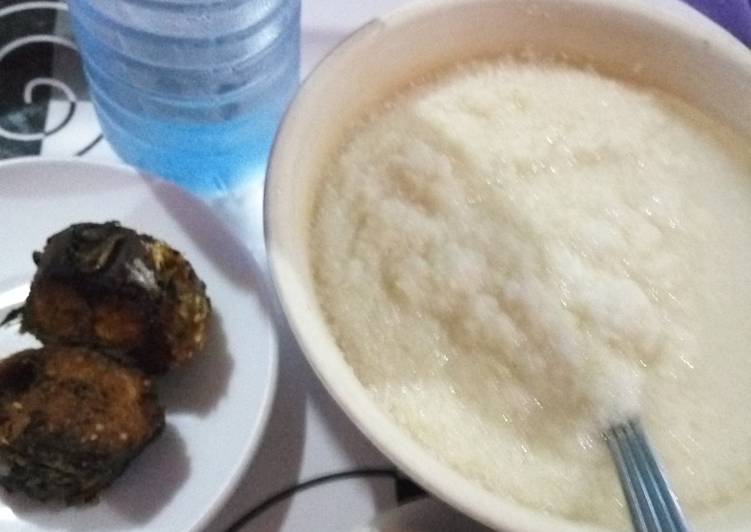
190,90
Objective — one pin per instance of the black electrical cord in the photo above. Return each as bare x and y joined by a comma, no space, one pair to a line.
303,486
86,149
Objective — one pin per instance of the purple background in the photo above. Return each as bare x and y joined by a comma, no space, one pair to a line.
735,15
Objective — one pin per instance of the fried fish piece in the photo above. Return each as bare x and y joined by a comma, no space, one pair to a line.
127,294
71,420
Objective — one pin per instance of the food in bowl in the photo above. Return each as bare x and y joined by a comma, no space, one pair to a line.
515,253
71,420
106,286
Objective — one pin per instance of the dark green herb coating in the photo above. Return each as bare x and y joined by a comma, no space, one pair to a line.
70,422
126,294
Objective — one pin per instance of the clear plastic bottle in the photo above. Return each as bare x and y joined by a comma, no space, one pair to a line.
190,90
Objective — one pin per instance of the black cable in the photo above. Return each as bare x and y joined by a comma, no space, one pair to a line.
89,146
288,492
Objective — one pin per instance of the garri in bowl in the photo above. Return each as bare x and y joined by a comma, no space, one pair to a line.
503,243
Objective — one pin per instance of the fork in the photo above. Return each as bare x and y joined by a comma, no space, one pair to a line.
651,502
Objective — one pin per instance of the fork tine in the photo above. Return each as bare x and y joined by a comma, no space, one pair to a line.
651,477
668,500
627,477
640,483
652,504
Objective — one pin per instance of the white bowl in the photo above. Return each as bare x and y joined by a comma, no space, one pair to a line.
662,43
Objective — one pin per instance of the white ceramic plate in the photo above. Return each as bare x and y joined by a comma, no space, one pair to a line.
216,407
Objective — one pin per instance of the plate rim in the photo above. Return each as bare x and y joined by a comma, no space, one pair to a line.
228,487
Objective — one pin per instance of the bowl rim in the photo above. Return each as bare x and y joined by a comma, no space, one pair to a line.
329,364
